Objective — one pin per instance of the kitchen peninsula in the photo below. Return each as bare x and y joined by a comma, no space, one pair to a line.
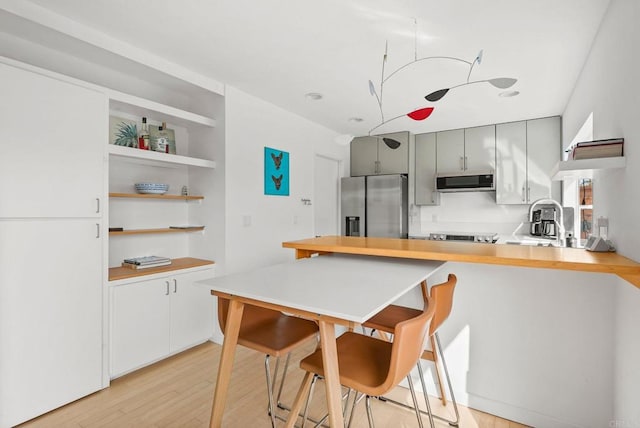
508,255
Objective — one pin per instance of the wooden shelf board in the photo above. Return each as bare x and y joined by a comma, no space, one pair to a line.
148,155
117,273
163,230
154,196
584,168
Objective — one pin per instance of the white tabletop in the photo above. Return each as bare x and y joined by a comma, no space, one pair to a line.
352,288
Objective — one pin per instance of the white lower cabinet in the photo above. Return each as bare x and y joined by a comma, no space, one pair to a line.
50,315
154,318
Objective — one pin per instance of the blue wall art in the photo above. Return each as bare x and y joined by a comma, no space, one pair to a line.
276,172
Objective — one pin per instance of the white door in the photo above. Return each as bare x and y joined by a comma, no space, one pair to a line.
326,189
192,314
50,315
52,139
139,324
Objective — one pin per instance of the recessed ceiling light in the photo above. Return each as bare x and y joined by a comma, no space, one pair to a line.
507,94
355,119
314,96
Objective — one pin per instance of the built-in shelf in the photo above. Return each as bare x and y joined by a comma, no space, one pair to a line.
156,231
140,107
156,196
157,157
117,273
584,168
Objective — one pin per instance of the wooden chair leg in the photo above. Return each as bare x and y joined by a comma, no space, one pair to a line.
303,392
443,393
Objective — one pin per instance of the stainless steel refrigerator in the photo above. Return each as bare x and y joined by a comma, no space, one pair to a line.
374,206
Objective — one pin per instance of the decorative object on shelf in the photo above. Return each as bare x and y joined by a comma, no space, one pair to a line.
146,262
162,139
425,112
276,172
143,138
597,149
123,132
184,191
155,188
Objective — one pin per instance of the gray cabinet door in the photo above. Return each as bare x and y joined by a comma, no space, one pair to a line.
543,152
511,163
393,158
480,148
364,156
450,150
425,175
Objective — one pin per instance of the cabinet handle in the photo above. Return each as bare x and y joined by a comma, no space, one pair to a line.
97,205
175,285
462,163
465,163
528,193
97,230
524,195
377,167
167,293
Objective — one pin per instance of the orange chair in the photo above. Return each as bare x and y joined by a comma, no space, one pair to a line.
386,320
274,334
374,367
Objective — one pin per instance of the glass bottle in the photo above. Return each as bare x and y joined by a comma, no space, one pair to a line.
143,138
162,143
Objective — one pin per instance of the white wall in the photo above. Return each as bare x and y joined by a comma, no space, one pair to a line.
251,124
609,88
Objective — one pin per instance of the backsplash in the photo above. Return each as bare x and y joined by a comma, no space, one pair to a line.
468,212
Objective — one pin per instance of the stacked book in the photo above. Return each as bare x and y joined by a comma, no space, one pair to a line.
598,149
146,262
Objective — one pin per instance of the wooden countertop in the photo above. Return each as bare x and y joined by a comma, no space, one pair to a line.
509,255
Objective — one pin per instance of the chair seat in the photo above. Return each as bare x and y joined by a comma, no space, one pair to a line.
277,336
363,362
387,319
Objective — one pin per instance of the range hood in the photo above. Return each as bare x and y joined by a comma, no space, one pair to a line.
465,181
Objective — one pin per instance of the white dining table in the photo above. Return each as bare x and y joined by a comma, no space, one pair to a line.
333,289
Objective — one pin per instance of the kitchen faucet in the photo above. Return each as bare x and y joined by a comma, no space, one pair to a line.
558,222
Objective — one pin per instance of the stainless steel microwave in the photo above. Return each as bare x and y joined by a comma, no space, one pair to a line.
467,181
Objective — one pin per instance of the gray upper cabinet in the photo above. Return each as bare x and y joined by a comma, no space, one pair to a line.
526,152
470,149
425,175
382,154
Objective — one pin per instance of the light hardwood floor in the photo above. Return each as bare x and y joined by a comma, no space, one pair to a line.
177,392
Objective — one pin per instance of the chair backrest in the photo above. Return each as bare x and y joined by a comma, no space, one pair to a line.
443,295
408,339
251,315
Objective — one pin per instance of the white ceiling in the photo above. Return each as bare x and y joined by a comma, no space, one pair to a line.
279,50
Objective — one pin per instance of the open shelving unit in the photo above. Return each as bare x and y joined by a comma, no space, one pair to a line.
192,166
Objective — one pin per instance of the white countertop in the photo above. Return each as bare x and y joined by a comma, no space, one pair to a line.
349,287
